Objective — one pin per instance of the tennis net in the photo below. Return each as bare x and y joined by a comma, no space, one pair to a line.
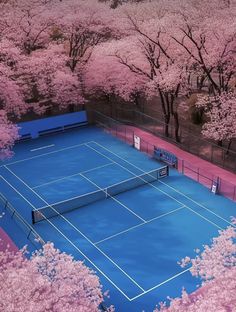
59,208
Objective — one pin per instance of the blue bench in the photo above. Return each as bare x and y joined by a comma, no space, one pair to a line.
165,156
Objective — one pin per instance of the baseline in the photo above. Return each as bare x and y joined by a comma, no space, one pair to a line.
160,284
44,154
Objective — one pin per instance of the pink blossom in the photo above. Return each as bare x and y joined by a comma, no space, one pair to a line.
49,281
221,113
8,135
216,266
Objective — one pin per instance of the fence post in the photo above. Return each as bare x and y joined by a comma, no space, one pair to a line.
223,158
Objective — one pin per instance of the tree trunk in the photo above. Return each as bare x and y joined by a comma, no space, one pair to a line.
109,104
176,119
228,147
166,128
174,113
166,112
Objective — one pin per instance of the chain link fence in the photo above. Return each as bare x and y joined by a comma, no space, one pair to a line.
29,231
189,141
124,133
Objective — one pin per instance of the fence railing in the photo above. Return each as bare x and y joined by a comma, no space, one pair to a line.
30,232
126,134
189,141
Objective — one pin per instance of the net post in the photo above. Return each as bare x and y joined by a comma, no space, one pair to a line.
32,214
163,172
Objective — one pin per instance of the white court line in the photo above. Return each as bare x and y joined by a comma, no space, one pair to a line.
40,148
116,200
99,167
81,252
160,284
200,205
168,195
138,225
76,229
59,150
220,228
159,190
231,224
70,176
89,260
95,191
148,183
18,192
154,186
71,198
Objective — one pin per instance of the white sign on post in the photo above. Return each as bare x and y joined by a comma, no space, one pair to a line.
214,187
136,142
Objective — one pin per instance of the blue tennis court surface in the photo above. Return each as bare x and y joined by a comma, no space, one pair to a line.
134,239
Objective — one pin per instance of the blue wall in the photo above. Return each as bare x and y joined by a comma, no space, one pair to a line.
34,127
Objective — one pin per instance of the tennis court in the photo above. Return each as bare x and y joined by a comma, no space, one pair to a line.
136,219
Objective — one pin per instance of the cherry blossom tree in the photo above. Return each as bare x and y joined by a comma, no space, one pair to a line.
49,281
11,93
58,38
208,39
216,267
8,135
83,26
221,113
11,97
12,102
104,75
160,47
36,69
33,22
181,45
49,81
158,61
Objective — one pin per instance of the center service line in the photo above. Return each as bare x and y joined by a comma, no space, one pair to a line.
43,147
